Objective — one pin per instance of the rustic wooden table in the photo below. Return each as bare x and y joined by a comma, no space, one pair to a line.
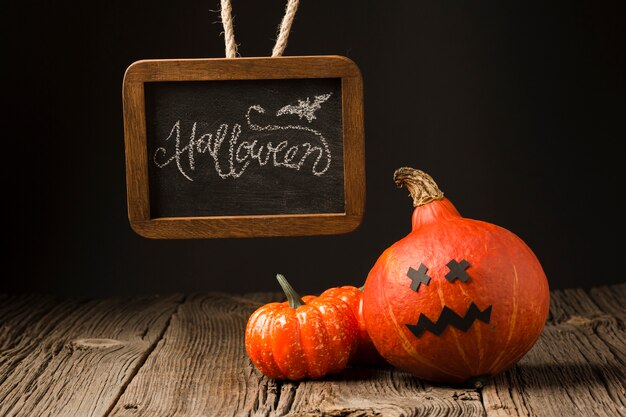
183,356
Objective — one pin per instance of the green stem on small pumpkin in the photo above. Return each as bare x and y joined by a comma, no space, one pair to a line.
421,186
292,296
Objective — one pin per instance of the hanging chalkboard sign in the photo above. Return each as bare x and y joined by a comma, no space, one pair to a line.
244,147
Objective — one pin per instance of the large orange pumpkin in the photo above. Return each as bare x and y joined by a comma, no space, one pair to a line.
456,298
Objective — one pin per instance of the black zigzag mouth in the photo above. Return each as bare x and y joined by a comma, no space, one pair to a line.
449,318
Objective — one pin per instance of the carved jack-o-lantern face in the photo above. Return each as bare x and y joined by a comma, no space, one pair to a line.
448,317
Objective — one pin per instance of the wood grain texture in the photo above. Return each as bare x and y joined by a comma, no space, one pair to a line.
200,369
382,391
137,183
160,357
611,300
566,305
240,68
73,357
243,69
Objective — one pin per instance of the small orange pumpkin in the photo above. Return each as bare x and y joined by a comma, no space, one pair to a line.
306,337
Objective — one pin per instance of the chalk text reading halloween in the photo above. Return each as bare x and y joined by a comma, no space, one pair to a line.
231,157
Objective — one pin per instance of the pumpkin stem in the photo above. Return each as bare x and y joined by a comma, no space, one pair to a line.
421,186
292,296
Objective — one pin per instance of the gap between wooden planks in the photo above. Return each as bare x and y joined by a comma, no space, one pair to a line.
170,356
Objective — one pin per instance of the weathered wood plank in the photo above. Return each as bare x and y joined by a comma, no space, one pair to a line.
22,327
101,358
73,357
17,313
612,300
382,392
571,371
611,328
200,368
566,304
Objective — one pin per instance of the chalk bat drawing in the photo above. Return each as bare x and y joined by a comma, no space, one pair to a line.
305,108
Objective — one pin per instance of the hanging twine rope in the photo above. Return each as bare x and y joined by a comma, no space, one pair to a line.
229,32
283,31
285,28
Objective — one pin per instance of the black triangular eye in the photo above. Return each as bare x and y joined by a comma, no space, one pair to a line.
418,277
457,270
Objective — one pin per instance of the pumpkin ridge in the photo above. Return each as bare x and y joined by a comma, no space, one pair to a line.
283,369
512,323
478,332
251,347
272,359
454,334
310,369
481,352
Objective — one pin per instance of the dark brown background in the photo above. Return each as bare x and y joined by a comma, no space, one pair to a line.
516,109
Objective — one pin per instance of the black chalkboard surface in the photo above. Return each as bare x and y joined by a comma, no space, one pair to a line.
244,147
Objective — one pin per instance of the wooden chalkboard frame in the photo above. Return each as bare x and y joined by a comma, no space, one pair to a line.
137,177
